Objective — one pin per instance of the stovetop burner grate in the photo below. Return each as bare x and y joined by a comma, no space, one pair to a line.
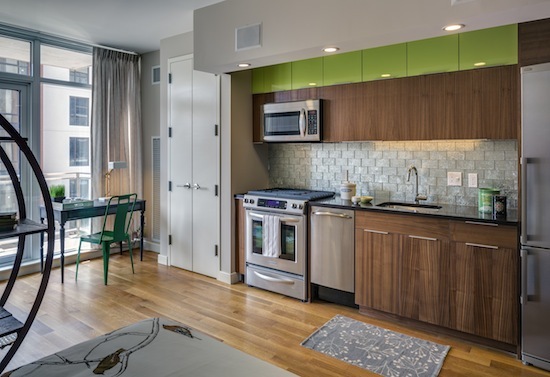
290,193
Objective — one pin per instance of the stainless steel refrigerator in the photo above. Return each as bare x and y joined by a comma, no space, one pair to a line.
535,218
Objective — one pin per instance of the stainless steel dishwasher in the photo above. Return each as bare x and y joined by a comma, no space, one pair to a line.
332,250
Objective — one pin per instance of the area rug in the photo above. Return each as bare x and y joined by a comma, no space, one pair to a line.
378,350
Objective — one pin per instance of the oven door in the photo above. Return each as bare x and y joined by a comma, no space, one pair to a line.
292,242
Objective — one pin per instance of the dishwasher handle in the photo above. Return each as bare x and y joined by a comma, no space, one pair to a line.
325,213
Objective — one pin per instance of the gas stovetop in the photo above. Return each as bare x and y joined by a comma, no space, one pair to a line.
296,194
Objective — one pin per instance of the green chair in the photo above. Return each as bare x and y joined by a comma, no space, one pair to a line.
119,232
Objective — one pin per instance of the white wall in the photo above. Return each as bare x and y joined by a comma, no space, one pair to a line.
294,30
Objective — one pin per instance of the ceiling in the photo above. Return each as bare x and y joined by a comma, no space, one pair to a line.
139,25
132,25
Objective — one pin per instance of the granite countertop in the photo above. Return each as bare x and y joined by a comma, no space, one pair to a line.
447,211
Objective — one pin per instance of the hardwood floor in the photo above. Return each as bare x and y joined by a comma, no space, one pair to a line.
264,324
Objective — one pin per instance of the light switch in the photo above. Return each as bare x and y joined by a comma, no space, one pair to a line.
454,178
472,180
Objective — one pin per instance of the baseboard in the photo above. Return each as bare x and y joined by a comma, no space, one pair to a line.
228,278
151,246
162,259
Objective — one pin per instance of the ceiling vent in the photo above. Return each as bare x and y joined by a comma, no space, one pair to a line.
458,2
247,37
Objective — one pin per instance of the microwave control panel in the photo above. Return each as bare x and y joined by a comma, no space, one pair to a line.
312,122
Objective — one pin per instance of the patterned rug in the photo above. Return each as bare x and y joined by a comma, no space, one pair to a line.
376,349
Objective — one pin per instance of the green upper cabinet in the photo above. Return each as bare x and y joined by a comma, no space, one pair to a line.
489,47
258,80
342,68
432,55
307,73
278,77
385,62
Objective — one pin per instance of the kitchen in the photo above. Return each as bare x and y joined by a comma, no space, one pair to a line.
380,169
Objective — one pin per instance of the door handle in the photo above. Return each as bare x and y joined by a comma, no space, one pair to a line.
196,186
187,185
272,279
302,122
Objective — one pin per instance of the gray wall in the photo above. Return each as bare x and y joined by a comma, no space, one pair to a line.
150,117
380,168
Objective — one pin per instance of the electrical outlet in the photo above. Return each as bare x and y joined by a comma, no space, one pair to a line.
454,178
472,180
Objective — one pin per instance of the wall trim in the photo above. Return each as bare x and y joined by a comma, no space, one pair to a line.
229,278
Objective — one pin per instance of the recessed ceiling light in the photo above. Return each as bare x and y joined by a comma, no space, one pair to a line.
453,27
244,65
330,49
479,64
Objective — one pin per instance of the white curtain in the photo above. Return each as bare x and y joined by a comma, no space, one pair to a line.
116,122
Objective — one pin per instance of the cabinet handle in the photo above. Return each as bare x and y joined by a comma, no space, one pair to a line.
481,245
479,223
375,231
423,238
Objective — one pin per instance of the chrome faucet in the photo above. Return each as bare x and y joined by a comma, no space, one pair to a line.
417,196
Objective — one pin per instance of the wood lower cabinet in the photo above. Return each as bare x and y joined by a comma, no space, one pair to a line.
456,274
484,297
377,270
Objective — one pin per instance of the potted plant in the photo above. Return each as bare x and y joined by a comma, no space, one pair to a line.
57,193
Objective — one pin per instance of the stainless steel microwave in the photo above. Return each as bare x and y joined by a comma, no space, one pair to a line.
299,121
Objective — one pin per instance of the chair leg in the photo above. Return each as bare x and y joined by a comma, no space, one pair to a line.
130,250
120,244
106,248
77,260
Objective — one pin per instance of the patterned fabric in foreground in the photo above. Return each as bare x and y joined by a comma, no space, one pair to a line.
376,349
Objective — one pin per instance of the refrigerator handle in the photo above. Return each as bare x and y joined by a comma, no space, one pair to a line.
523,236
524,294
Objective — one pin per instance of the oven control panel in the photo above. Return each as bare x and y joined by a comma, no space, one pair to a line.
275,204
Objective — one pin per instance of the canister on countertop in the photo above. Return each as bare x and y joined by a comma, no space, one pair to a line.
499,206
347,189
485,199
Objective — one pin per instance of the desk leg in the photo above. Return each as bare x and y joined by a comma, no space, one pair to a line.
41,248
141,229
62,243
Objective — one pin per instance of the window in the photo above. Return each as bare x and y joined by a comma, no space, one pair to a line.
65,65
79,151
15,56
79,187
79,111
81,76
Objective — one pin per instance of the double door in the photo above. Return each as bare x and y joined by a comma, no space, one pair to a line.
193,156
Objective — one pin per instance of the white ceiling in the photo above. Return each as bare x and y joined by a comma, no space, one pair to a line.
132,25
139,25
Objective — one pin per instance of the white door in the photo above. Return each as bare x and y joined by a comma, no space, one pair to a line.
193,168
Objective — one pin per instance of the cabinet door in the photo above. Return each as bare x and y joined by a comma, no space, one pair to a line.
424,279
484,292
377,270
307,73
385,62
342,68
488,47
432,55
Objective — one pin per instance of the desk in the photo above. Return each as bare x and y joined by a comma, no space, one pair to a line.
98,209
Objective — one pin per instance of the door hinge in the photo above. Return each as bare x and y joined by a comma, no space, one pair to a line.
216,190
215,250
169,239
215,130
169,78
169,131
169,185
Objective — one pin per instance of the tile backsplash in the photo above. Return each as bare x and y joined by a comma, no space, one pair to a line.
380,168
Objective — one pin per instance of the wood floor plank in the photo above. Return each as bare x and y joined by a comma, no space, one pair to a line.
264,324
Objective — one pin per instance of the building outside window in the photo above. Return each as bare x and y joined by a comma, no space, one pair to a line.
79,110
79,151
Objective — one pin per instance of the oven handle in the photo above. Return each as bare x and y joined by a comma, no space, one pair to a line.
272,279
282,219
344,216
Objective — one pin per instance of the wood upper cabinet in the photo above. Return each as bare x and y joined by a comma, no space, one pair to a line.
472,104
484,297
534,42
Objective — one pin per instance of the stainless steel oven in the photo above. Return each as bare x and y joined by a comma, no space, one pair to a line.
276,240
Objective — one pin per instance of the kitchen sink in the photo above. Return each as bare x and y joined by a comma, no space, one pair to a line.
410,206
